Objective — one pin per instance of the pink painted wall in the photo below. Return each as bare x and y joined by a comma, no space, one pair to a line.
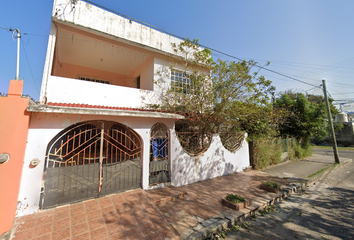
74,71
145,70
146,73
14,124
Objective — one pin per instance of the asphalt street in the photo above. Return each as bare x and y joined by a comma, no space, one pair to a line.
323,210
329,152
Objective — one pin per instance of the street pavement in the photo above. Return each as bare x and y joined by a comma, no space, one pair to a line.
301,169
323,210
189,212
329,152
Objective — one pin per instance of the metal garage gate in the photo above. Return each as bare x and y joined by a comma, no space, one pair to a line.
91,159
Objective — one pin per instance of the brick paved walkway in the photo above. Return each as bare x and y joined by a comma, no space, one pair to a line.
128,215
140,214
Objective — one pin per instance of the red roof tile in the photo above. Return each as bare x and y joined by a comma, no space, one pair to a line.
75,105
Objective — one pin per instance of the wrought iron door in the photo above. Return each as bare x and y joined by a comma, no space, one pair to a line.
159,166
91,159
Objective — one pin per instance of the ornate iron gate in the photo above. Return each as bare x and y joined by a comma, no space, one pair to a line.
91,159
159,166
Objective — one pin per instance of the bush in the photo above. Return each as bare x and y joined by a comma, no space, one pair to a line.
270,184
266,152
234,198
302,153
296,151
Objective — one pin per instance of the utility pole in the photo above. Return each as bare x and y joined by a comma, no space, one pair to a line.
18,53
335,151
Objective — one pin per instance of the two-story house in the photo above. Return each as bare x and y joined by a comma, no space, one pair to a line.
90,134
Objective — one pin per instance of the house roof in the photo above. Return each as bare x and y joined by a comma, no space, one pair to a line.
73,108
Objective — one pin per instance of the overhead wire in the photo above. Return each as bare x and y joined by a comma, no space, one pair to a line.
179,37
24,49
288,76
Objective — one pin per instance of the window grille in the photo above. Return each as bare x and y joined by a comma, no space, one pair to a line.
232,141
193,141
180,81
93,80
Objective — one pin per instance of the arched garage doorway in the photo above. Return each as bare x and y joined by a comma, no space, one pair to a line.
91,159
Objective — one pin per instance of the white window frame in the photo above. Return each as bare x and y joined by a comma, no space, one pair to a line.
180,81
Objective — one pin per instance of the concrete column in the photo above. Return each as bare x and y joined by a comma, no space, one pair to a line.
14,126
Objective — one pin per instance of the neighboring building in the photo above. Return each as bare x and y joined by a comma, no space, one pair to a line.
344,136
89,135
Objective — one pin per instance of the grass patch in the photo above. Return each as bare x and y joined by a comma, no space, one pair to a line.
322,170
234,198
331,147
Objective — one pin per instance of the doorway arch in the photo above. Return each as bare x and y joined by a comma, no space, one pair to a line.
91,159
159,164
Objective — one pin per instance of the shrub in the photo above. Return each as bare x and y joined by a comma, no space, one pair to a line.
295,150
266,152
270,184
234,198
301,152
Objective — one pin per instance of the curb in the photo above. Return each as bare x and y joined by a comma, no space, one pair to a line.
324,173
229,218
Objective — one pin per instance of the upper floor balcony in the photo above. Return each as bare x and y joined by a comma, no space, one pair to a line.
90,69
73,91
97,57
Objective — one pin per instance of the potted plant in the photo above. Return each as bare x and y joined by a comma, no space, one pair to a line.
235,202
270,186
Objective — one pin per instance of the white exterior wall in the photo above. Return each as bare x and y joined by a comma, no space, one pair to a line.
215,162
67,90
44,127
48,64
82,13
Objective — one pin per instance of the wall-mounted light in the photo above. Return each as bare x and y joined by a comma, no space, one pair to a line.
35,162
4,157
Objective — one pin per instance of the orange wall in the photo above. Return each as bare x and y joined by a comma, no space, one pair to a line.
14,123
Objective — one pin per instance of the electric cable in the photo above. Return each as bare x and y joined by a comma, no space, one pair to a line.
174,35
23,46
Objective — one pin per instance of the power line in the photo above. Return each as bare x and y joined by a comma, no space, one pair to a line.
23,46
36,35
179,37
342,93
214,50
29,34
8,29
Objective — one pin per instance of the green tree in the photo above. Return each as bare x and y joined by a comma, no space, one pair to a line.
306,117
223,97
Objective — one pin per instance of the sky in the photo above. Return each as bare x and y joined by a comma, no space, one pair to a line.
304,40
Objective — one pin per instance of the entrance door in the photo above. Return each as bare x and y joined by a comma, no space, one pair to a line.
91,159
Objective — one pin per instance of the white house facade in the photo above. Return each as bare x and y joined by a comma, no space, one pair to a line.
91,134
